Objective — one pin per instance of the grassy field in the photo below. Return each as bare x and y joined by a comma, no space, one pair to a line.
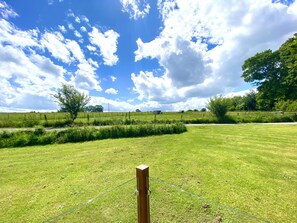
110,118
250,168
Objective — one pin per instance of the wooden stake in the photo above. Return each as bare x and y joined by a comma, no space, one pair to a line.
143,205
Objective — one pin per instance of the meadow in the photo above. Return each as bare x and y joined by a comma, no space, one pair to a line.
236,173
60,119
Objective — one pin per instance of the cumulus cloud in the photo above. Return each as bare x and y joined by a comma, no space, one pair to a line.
54,43
85,77
33,63
111,91
11,35
203,44
113,78
107,43
135,8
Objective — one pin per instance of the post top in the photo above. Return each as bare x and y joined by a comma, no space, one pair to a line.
142,167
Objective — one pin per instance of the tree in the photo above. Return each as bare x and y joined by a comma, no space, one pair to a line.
96,108
71,100
288,57
249,101
264,70
218,106
274,73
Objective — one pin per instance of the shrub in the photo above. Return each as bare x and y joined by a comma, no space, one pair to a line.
39,130
218,106
41,137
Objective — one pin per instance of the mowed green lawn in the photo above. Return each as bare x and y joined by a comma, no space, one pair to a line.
250,168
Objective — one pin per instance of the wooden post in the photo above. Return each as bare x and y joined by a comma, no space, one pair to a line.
143,204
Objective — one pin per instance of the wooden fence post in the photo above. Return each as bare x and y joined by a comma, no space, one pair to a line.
143,204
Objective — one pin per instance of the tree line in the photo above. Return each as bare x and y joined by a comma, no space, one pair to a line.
274,73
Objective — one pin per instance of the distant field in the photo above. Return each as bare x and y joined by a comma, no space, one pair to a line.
250,168
109,118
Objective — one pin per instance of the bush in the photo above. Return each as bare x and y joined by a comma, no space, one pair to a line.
40,137
218,106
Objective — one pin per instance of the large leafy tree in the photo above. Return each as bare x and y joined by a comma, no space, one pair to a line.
288,57
274,73
71,100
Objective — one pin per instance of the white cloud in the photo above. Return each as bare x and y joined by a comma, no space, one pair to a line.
85,19
113,78
203,44
91,48
11,35
62,29
70,13
77,19
83,29
153,88
70,26
51,2
135,8
6,11
29,79
75,49
107,43
111,91
77,34
85,77
54,42
23,75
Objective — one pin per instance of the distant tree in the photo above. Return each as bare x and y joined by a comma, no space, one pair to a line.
203,110
96,108
218,106
92,108
137,110
71,100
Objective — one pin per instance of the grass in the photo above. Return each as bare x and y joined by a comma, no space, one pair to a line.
55,119
251,168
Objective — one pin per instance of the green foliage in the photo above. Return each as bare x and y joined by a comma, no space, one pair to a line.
218,106
71,100
40,137
274,73
288,106
96,108
288,56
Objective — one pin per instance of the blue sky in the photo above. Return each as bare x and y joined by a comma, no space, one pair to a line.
129,54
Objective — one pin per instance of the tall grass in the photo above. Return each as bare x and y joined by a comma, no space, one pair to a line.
41,137
18,120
